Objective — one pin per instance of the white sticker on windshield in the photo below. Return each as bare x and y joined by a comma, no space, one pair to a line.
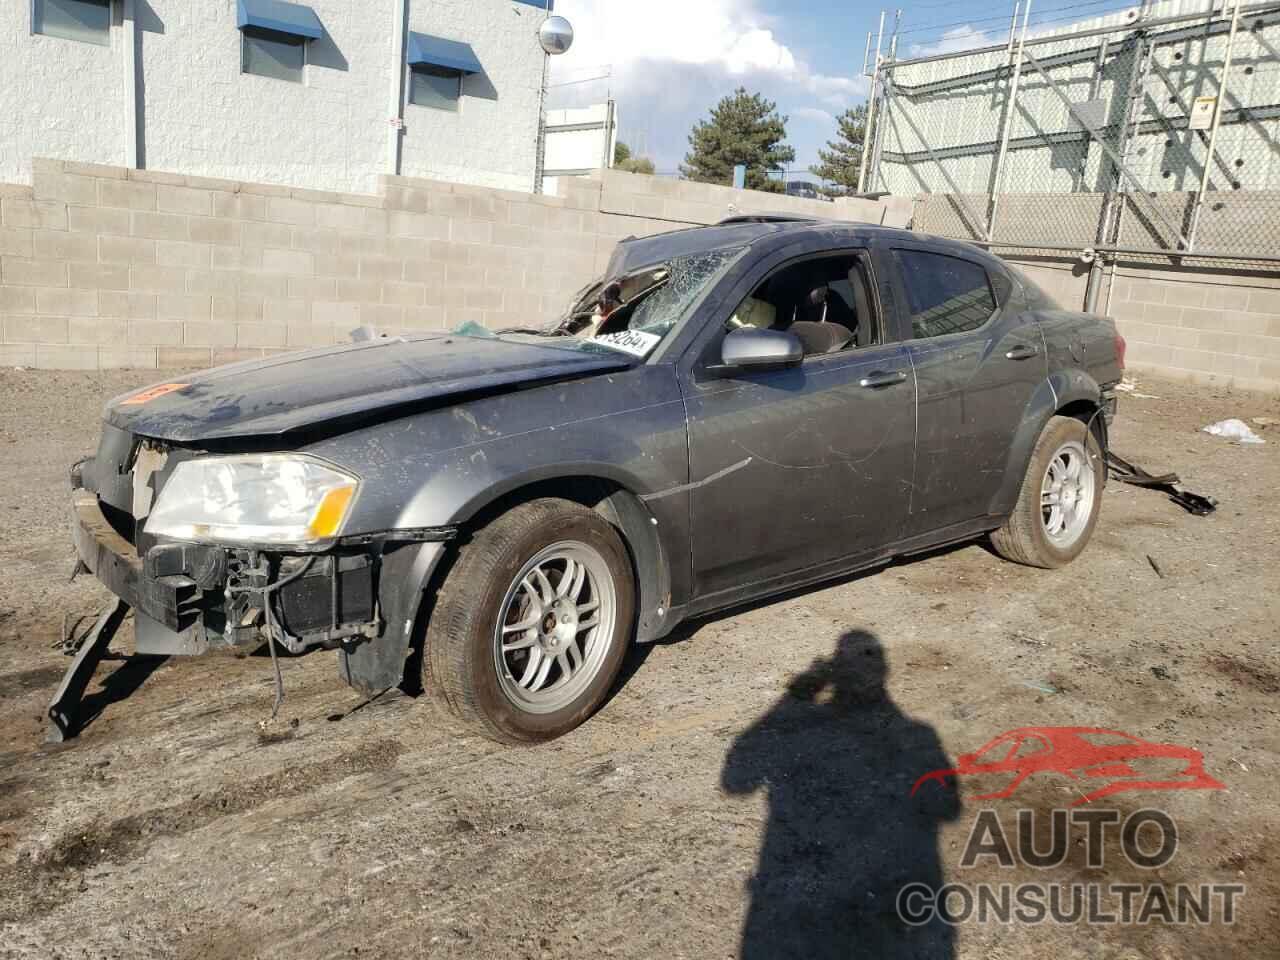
637,343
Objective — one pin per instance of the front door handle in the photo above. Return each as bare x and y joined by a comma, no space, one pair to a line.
1022,352
882,379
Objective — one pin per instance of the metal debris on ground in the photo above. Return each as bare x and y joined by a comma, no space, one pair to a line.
1233,429
1126,472
1155,566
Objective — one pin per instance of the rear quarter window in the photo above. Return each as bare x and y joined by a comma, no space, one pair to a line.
945,294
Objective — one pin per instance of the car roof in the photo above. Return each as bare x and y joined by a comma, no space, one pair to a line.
636,253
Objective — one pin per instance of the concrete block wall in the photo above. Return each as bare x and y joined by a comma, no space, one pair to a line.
684,202
1064,280
1220,328
105,266
1208,326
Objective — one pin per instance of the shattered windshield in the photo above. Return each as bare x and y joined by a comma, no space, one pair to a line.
631,314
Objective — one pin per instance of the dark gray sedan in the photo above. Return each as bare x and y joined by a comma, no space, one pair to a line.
731,412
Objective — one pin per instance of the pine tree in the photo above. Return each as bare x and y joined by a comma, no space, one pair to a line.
743,129
840,162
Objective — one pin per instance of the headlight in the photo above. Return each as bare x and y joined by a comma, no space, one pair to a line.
271,498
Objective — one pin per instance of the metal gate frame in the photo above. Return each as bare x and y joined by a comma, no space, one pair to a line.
1126,190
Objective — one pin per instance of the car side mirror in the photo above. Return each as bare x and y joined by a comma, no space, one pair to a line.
754,349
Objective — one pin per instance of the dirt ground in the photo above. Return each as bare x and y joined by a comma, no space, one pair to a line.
747,790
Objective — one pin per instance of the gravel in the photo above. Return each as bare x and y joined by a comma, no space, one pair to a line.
745,791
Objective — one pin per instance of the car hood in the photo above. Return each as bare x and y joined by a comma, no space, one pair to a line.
342,387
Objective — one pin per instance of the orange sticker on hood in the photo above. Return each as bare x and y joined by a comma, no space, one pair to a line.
146,396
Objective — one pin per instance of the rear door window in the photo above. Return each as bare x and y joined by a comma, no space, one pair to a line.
944,294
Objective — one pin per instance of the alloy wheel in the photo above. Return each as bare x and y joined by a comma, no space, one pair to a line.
555,627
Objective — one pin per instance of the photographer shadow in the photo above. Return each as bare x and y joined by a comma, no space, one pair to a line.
844,836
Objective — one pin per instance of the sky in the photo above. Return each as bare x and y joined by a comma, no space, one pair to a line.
669,61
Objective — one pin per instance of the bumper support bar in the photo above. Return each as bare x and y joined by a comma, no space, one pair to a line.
1169,483
64,710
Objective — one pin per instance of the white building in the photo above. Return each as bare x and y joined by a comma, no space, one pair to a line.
327,94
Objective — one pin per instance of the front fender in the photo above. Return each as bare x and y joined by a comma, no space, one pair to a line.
654,532
1058,390
404,575
442,468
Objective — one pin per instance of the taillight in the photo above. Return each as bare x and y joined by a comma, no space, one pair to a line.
1121,348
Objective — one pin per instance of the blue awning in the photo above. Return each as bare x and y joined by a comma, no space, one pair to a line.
292,18
439,52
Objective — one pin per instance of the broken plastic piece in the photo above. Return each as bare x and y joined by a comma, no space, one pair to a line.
1041,686
1126,472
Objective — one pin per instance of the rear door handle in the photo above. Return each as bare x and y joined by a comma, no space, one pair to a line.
881,379
1022,352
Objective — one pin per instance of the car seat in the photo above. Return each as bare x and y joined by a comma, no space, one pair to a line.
817,333
821,338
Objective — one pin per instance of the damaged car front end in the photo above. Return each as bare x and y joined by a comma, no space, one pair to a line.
216,551
290,500
305,500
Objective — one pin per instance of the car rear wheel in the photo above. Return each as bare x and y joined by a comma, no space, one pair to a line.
1060,499
532,622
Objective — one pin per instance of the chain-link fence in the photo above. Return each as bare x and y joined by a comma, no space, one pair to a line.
1097,136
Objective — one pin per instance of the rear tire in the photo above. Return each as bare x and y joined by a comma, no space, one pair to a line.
530,627
1059,501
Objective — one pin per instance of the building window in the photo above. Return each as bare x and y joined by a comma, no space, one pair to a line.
88,21
438,87
437,67
280,56
274,37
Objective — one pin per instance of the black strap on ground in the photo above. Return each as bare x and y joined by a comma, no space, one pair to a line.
64,711
1126,472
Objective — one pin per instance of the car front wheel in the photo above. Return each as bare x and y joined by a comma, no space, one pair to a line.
1060,499
532,622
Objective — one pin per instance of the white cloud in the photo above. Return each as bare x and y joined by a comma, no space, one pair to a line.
814,115
706,32
671,60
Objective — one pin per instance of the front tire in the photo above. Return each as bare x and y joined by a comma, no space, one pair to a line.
1060,498
531,625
